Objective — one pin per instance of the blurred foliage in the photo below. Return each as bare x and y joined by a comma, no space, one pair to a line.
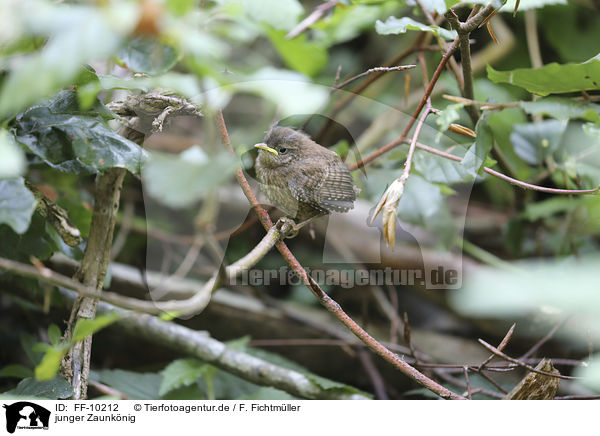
61,63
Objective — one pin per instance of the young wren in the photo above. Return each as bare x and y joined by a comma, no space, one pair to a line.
302,178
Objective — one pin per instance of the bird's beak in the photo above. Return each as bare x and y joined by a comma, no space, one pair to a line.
265,147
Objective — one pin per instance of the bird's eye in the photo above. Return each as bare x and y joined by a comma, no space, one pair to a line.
283,150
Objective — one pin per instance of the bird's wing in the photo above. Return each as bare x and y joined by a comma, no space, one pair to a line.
329,188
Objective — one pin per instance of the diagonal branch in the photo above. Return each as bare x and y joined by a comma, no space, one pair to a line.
325,299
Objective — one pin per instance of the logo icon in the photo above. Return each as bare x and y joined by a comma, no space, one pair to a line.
26,415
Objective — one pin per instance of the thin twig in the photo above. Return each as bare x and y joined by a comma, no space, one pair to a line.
315,16
501,347
373,70
466,373
522,364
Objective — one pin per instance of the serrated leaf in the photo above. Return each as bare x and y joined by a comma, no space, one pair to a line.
552,78
80,144
147,55
299,54
56,389
533,142
395,26
180,180
17,204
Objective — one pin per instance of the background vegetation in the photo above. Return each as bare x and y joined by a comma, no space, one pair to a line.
121,117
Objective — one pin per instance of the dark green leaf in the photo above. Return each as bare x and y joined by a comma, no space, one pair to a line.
55,389
17,204
75,143
552,78
147,55
533,142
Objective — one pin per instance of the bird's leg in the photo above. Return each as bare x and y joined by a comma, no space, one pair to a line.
290,229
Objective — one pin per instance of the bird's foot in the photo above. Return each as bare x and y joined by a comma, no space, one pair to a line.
288,227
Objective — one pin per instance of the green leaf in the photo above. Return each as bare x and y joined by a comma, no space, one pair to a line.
86,327
563,109
180,7
12,158
448,115
56,389
289,90
280,14
135,385
298,53
394,26
179,181
75,34
477,154
17,204
54,334
50,364
423,204
552,78
567,286
75,143
533,142
548,208
147,55
17,371
438,169
182,372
